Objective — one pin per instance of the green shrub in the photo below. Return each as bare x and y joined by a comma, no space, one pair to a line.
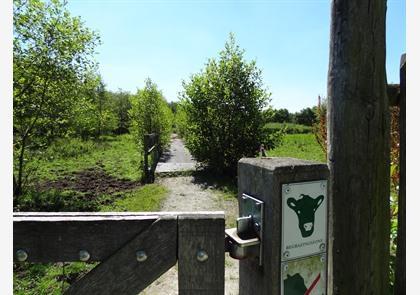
272,137
224,105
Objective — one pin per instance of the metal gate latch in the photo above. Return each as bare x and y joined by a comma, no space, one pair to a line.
244,241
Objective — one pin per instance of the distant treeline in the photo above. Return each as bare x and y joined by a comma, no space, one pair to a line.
306,116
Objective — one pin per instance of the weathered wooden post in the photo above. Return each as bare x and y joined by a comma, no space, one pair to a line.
358,148
400,277
292,225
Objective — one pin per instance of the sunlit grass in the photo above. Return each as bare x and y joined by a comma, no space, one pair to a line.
145,198
300,146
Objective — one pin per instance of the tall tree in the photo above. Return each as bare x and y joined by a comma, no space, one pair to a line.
306,116
282,116
121,107
51,53
100,102
224,108
150,113
358,150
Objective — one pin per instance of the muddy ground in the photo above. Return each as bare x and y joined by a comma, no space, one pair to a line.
92,182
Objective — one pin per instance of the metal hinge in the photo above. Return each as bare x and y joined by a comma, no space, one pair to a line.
245,241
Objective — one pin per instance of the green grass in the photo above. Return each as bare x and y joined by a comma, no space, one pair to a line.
119,156
301,146
40,279
145,198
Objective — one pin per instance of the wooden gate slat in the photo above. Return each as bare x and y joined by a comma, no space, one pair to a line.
121,273
59,237
205,232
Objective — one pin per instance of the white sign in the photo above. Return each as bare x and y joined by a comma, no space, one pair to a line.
305,276
304,219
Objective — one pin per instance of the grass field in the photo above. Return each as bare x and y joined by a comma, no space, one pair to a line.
76,175
301,146
289,128
146,198
119,156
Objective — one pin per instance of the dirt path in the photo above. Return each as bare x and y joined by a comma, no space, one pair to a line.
176,158
192,193
188,193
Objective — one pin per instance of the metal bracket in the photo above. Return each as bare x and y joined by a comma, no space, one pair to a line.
245,240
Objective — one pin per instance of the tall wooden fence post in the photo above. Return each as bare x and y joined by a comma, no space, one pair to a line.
294,225
400,285
358,148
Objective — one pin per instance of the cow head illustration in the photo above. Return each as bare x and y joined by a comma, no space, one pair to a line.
305,208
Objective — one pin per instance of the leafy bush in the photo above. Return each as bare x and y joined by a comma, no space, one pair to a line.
224,105
272,137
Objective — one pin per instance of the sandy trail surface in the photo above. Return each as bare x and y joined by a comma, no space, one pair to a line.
186,195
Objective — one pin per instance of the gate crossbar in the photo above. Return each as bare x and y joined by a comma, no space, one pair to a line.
116,239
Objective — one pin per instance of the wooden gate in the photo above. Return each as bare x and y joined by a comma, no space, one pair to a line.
133,249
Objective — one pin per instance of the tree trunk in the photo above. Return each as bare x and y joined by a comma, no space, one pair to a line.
14,185
19,186
358,149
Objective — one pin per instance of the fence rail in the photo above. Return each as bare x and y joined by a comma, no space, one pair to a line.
134,248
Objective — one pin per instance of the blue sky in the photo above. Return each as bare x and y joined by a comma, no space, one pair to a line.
170,40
